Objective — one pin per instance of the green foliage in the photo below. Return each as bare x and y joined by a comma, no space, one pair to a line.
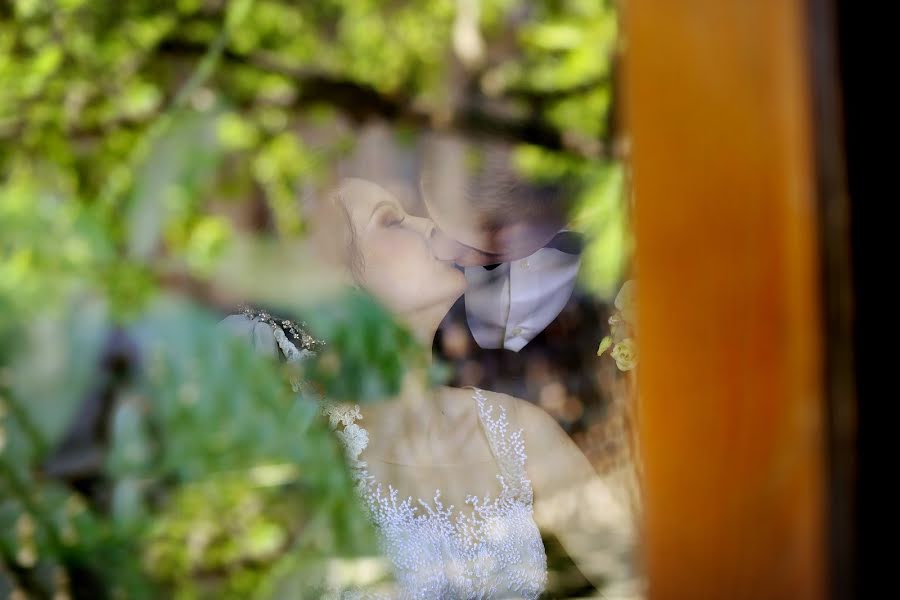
360,332
599,211
121,125
204,429
212,470
213,475
82,83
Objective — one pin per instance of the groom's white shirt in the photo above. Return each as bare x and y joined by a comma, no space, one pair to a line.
510,305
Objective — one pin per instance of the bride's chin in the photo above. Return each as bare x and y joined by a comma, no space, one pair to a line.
438,292
457,280
446,288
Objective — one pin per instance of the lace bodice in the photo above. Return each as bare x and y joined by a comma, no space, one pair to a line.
437,551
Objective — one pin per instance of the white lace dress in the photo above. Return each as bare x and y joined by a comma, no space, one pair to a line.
493,551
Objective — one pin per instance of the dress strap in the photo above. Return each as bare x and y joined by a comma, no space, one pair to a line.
508,448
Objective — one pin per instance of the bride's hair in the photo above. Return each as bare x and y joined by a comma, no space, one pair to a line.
353,257
334,235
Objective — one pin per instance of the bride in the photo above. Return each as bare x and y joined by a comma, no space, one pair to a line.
459,482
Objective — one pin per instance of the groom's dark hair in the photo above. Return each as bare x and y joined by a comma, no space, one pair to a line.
500,194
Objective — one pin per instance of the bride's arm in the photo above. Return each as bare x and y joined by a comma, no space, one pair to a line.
576,505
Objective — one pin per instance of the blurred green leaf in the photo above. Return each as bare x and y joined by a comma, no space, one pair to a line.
605,343
367,353
238,11
178,167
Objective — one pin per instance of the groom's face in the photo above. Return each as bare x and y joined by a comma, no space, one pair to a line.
461,235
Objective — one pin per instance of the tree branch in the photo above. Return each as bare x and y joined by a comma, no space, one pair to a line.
361,102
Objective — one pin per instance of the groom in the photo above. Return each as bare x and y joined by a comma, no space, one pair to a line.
522,328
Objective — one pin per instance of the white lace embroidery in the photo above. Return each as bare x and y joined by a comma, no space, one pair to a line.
438,552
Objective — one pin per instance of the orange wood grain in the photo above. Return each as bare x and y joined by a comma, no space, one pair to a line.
717,108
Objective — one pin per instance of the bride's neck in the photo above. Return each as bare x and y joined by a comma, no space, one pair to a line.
417,392
423,324
426,407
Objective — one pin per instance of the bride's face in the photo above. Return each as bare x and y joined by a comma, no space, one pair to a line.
393,258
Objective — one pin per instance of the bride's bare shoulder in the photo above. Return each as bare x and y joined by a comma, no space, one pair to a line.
554,460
